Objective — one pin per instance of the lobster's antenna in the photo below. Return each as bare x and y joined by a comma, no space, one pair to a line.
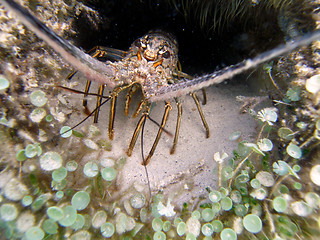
90,67
85,119
143,159
186,86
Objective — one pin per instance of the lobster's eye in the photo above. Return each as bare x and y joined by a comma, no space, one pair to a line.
137,43
144,41
166,54
143,44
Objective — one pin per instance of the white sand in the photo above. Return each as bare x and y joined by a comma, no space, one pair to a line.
191,169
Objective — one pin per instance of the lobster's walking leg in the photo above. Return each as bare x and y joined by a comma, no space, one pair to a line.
205,124
136,132
112,113
176,135
156,141
131,91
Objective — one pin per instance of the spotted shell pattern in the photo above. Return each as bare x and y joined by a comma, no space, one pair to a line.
150,62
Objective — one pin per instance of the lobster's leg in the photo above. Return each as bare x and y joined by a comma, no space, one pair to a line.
205,124
112,112
139,108
176,135
131,91
204,94
85,101
156,141
94,52
99,100
136,132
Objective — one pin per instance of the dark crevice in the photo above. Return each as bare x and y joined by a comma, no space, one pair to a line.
201,49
